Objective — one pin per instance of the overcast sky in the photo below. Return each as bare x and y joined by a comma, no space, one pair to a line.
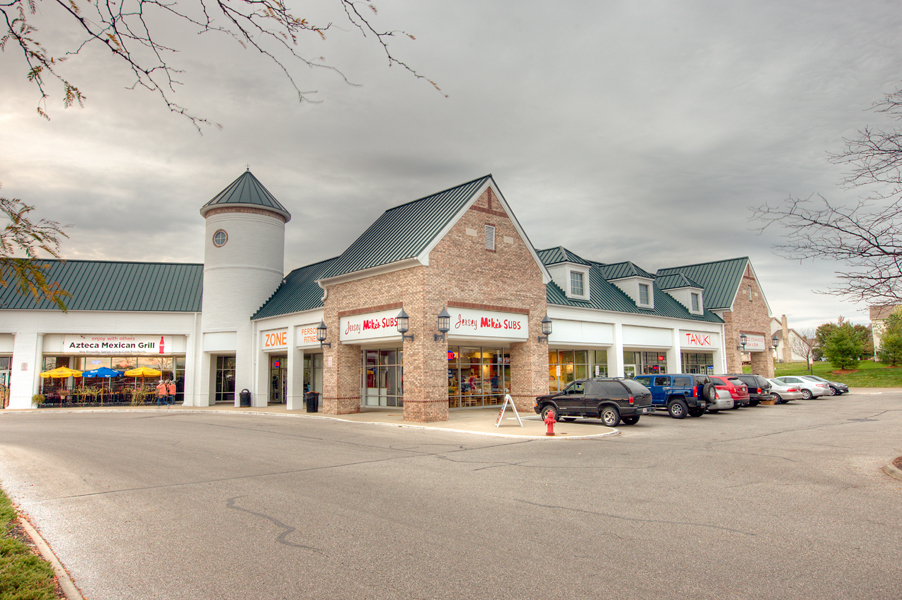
620,130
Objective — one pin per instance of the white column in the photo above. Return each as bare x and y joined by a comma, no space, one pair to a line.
674,358
295,374
25,370
615,354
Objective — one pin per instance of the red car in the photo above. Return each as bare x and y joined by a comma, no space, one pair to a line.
739,391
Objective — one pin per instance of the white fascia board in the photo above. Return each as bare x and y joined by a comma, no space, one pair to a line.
490,183
593,315
371,272
281,321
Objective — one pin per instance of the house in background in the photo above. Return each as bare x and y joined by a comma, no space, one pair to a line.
790,343
878,315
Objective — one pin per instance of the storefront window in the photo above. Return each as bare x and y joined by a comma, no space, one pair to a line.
565,366
383,378
698,362
225,379
477,376
313,372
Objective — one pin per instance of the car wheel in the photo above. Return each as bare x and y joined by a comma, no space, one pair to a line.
549,409
677,409
779,399
696,412
807,395
630,420
753,402
610,416
709,392
835,391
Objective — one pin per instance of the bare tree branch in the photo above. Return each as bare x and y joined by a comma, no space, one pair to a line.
864,237
123,29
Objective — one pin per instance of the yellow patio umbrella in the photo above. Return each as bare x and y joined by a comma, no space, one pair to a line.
142,372
60,372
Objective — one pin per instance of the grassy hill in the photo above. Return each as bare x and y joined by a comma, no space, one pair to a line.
866,374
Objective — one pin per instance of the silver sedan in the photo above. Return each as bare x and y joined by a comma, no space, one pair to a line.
724,401
784,392
810,389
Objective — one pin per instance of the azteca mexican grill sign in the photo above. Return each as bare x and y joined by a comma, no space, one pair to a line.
119,345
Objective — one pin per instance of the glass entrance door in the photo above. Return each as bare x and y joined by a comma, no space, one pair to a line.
629,371
278,365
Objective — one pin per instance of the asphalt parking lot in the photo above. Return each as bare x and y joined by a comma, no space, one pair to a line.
769,502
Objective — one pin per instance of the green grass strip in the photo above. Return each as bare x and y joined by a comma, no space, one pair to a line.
23,575
867,374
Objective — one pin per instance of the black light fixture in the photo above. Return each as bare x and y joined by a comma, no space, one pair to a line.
444,325
742,340
404,326
321,335
546,329
774,341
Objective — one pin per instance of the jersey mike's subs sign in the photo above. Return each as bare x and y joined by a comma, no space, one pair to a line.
465,322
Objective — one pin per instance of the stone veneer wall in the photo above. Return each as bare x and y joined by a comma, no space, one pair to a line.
750,317
461,273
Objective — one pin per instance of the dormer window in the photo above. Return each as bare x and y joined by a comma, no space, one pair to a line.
643,294
576,284
696,303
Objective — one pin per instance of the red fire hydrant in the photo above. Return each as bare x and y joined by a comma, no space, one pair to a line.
549,421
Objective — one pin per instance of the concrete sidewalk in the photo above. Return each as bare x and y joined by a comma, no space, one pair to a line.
479,421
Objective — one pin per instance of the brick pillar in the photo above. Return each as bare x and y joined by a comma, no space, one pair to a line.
529,367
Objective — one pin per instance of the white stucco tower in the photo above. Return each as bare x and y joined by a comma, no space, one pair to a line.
244,262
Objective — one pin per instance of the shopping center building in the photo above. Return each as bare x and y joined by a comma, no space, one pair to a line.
238,322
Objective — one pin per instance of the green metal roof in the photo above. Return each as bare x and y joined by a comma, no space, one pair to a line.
720,279
677,280
246,191
405,231
297,292
622,270
117,286
604,295
553,256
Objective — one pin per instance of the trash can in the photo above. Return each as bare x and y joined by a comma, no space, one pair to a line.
245,397
312,399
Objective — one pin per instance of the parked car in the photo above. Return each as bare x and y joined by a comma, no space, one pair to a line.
759,387
724,401
739,391
605,398
837,388
679,394
784,392
810,388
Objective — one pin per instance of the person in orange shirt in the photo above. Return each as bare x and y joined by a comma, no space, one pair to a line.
170,392
161,393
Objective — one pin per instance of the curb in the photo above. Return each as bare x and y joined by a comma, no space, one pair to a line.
62,576
891,470
560,436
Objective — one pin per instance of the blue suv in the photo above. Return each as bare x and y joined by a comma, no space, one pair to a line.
679,394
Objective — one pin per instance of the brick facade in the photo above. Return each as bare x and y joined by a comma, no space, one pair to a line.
749,315
461,272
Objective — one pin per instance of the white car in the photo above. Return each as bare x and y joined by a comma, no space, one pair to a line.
810,389
724,401
784,392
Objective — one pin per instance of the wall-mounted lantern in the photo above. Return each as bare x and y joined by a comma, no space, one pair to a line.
404,326
546,329
444,325
321,335
742,340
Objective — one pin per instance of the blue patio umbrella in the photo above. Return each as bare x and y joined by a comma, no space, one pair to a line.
104,372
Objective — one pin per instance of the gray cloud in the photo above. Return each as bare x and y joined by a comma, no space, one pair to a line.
623,131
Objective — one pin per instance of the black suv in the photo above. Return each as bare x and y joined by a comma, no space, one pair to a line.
608,399
759,387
